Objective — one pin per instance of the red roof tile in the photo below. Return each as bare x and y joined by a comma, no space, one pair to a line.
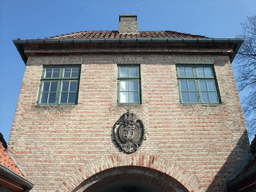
6,161
116,34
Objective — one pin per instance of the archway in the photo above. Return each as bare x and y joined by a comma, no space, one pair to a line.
131,179
146,166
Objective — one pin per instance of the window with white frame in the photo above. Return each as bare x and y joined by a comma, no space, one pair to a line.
129,84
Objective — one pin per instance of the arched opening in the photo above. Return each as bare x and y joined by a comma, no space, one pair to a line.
106,172
131,179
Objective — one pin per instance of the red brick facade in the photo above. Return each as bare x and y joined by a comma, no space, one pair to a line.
66,148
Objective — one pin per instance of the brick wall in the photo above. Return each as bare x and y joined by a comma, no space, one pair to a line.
50,143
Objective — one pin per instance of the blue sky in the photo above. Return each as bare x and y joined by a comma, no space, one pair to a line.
44,18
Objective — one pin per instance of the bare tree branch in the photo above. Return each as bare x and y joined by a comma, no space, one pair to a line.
246,82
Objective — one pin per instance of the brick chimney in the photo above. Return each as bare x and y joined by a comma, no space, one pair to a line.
128,24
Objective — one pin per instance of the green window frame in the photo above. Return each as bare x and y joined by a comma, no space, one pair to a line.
59,85
197,84
128,82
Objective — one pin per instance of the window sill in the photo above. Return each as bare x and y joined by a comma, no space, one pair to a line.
202,104
128,103
54,107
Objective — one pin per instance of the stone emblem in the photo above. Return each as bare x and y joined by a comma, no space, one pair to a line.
128,132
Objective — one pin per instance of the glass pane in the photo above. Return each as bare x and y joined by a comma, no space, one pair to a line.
208,72
133,97
55,72
54,86
210,86
203,85
73,86
44,97
182,71
133,72
193,97
123,97
72,98
65,86
74,72
205,97
185,97
200,71
46,86
191,85
67,72
123,85
183,85
213,97
52,98
64,97
48,73
124,71
133,85
189,72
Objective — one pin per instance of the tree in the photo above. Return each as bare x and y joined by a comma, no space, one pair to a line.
246,81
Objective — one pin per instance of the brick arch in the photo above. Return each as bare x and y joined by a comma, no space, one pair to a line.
114,161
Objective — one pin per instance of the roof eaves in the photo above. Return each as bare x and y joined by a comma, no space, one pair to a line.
82,40
175,40
112,40
51,40
159,40
125,40
144,40
8,173
98,40
66,40
19,42
190,40
238,42
35,41
205,40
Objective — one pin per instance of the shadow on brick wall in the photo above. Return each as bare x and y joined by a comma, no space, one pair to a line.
232,166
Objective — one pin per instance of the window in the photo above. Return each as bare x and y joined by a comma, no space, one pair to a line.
197,84
128,84
59,85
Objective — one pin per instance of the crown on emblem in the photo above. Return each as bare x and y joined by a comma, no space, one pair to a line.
128,117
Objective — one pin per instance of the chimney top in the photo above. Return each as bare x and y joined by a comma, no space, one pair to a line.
128,23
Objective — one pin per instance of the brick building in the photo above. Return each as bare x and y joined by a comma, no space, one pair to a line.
128,111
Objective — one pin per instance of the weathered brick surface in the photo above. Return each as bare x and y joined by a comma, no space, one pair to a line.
198,145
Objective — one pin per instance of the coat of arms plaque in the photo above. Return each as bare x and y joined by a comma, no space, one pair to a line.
128,132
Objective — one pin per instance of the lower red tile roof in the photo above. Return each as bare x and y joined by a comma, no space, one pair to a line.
7,161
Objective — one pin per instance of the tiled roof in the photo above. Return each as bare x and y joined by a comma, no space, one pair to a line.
116,34
6,161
